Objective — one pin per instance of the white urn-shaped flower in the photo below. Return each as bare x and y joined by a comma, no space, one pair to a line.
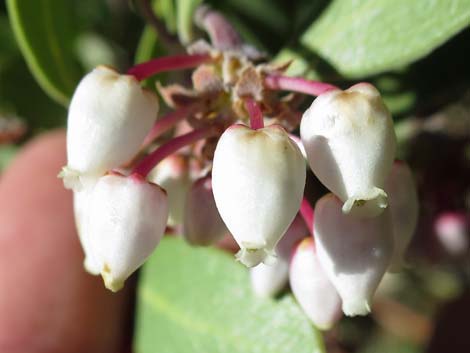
109,117
350,144
311,287
81,206
269,280
354,252
172,174
126,220
404,208
202,222
258,179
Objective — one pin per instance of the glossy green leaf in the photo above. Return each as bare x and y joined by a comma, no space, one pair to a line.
370,36
199,300
43,31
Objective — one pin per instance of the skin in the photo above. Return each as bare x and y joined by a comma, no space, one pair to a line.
48,303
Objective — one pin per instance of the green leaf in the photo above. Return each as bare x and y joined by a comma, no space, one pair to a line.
370,36
148,47
184,17
266,12
42,29
199,300
165,9
299,66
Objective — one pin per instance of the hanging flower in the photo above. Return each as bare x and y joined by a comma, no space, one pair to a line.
350,144
109,116
258,179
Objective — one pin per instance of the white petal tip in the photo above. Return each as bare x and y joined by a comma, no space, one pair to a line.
252,256
70,178
76,181
110,282
356,308
90,267
323,326
367,205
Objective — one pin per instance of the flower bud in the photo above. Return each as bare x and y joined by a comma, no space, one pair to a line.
109,117
354,252
126,222
81,205
453,232
172,174
312,288
268,280
258,178
297,231
350,144
403,203
202,222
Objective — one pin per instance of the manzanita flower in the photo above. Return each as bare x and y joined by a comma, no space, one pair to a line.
172,174
453,231
81,205
202,222
258,178
109,117
403,203
297,231
355,252
126,220
269,280
350,144
312,288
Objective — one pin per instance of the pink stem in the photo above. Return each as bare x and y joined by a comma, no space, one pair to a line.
256,115
149,162
297,84
165,123
166,63
306,212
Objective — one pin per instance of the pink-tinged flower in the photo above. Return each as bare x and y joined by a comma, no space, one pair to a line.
172,174
258,179
350,144
109,117
354,252
312,288
126,220
297,231
269,280
453,231
202,222
404,209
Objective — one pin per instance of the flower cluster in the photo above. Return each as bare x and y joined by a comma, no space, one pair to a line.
224,160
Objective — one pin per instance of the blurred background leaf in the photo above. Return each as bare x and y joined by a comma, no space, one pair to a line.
361,38
43,30
200,300
184,15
